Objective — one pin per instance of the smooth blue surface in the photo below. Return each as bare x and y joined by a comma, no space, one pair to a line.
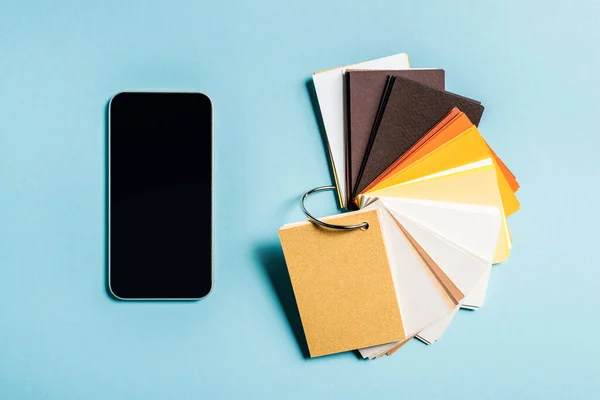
533,64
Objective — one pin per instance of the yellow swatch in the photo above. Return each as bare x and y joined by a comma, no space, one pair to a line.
466,148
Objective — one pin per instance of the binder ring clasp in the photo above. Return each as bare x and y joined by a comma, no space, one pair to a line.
363,226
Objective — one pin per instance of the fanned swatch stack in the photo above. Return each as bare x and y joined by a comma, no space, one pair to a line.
409,157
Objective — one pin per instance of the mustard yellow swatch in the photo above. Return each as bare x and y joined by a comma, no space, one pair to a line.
343,284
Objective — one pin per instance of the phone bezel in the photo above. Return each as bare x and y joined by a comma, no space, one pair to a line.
212,191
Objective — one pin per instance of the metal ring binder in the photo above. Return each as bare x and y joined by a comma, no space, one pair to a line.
363,226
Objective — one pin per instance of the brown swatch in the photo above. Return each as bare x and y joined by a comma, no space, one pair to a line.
411,111
426,138
364,91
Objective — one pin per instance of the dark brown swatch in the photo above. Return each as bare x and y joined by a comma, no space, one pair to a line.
412,109
364,90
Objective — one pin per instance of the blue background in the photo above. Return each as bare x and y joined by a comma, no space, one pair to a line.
534,65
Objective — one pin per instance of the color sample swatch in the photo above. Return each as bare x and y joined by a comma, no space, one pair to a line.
329,87
437,199
363,93
333,275
411,110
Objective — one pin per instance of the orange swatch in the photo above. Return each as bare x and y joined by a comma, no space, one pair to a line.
455,123
466,148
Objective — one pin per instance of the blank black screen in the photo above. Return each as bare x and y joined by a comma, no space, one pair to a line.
160,195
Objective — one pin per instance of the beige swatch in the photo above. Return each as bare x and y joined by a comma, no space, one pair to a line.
454,292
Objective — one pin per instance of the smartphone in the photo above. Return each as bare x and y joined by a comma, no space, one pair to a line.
160,196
